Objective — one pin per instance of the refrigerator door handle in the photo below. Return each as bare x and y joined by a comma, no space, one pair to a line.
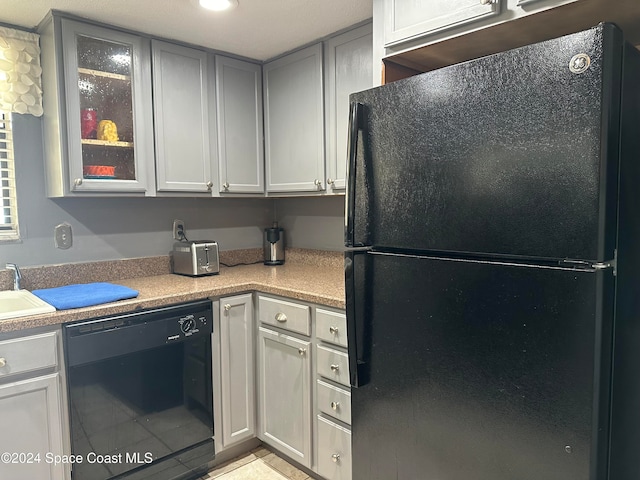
355,110
358,364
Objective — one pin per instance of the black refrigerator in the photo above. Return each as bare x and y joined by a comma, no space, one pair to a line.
493,267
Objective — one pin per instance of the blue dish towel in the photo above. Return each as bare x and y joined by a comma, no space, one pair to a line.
84,295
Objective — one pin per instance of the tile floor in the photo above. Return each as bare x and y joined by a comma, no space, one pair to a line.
259,464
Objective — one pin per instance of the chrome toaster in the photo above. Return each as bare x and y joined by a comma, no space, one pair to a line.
195,258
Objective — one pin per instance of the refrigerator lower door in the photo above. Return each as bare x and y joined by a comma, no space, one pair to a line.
478,370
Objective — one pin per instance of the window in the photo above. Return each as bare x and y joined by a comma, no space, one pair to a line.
9,213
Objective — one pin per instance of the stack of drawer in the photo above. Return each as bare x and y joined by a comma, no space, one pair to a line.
333,396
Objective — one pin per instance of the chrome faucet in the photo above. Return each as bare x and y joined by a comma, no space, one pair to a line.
17,276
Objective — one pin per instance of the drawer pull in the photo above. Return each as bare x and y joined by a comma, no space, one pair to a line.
335,405
333,330
335,368
281,317
227,307
3,362
302,351
335,457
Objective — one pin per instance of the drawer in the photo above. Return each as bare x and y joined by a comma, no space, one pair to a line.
333,365
334,450
331,327
334,401
21,355
283,314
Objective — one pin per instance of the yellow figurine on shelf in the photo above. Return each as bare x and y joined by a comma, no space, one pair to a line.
108,131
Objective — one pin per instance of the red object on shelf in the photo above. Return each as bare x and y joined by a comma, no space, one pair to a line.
99,170
88,123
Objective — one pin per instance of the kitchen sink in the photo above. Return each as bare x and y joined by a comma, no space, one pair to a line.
19,303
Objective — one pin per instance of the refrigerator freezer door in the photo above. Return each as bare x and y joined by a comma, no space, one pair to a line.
481,371
513,154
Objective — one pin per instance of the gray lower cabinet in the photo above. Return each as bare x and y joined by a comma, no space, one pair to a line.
334,450
181,116
284,397
31,409
348,69
294,122
333,396
304,400
235,362
240,125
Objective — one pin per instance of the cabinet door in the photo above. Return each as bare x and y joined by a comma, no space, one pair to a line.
408,20
348,68
294,125
109,112
239,108
181,118
237,369
284,398
31,421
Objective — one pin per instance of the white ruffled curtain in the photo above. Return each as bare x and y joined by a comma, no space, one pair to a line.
20,72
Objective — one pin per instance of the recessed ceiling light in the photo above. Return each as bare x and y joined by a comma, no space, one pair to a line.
218,5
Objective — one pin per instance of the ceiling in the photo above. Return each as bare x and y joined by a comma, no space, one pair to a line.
258,29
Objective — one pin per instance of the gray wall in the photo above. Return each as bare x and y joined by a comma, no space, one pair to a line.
312,222
115,228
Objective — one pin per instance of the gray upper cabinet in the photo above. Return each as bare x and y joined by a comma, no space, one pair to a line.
181,114
294,122
98,114
240,130
348,69
417,18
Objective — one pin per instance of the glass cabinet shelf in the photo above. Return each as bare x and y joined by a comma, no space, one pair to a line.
106,143
101,73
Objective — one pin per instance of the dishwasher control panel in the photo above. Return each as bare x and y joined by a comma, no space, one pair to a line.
190,324
96,339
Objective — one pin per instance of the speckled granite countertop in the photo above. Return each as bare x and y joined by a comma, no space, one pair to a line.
311,276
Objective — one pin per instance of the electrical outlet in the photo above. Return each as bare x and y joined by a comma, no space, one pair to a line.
63,236
178,230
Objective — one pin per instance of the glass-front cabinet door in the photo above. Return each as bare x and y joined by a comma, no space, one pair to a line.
109,111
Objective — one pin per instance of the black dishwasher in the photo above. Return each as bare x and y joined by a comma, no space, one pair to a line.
140,394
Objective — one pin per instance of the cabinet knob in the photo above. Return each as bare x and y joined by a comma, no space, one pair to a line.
335,405
335,457
227,307
333,330
209,185
335,368
78,181
330,181
302,351
486,2
3,362
225,185
281,317
318,184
